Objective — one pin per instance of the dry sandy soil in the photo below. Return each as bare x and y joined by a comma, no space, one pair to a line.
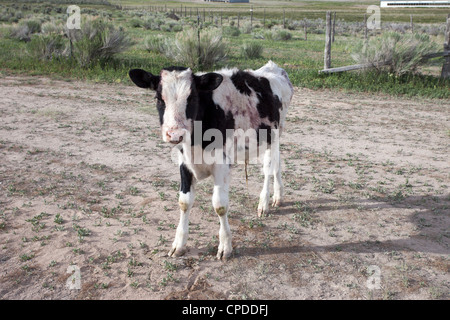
85,180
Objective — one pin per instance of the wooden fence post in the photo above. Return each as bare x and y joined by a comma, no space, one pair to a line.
251,18
239,18
411,23
264,19
445,74
327,53
306,31
70,42
284,18
334,25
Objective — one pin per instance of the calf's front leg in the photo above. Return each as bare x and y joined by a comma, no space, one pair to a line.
220,204
186,200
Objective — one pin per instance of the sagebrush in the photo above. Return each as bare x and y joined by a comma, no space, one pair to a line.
399,53
197,49
97,40
252,49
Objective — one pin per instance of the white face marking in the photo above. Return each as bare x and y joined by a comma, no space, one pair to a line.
176,88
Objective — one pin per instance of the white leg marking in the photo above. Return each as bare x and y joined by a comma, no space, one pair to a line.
186,200
277,183
220,204
263,206
225,247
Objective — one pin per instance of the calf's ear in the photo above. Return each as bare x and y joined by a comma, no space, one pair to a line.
144,79
208,82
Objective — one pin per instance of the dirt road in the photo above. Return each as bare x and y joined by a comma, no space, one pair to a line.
85,181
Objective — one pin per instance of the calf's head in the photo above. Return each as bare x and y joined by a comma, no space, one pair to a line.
177,93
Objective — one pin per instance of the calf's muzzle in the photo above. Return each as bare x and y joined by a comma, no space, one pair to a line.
175,136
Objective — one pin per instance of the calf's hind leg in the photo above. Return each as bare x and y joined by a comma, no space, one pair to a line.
263,206
277,183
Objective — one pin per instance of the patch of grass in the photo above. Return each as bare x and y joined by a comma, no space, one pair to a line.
58,219
26,257
81,232
134,191
169,266
304,216
36,223
252,50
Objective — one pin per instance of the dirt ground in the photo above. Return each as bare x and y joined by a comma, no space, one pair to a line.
87,184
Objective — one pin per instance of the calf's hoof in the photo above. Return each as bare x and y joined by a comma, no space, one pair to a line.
263,208
276,202
223,255
174,252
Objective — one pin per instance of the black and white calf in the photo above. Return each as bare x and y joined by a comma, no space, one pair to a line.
227,100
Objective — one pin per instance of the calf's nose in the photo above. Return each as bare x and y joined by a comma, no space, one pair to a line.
174,136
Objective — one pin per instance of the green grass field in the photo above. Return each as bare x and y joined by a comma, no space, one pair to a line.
301,58
298,9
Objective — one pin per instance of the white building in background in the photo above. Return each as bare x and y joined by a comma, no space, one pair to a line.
412,4
230,1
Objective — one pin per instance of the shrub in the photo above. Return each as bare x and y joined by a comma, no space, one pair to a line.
177,28
46,47
401,53
34,25
259,34
397,27
277,35
252,50
154,43
136,23
432,30
165,28
294,24
52,28
5,16
97,40
246,28
282,35
152,24
20,32
231,31
271,23
202,50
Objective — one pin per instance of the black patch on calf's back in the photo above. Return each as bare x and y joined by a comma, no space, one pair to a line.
242,80
269,105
